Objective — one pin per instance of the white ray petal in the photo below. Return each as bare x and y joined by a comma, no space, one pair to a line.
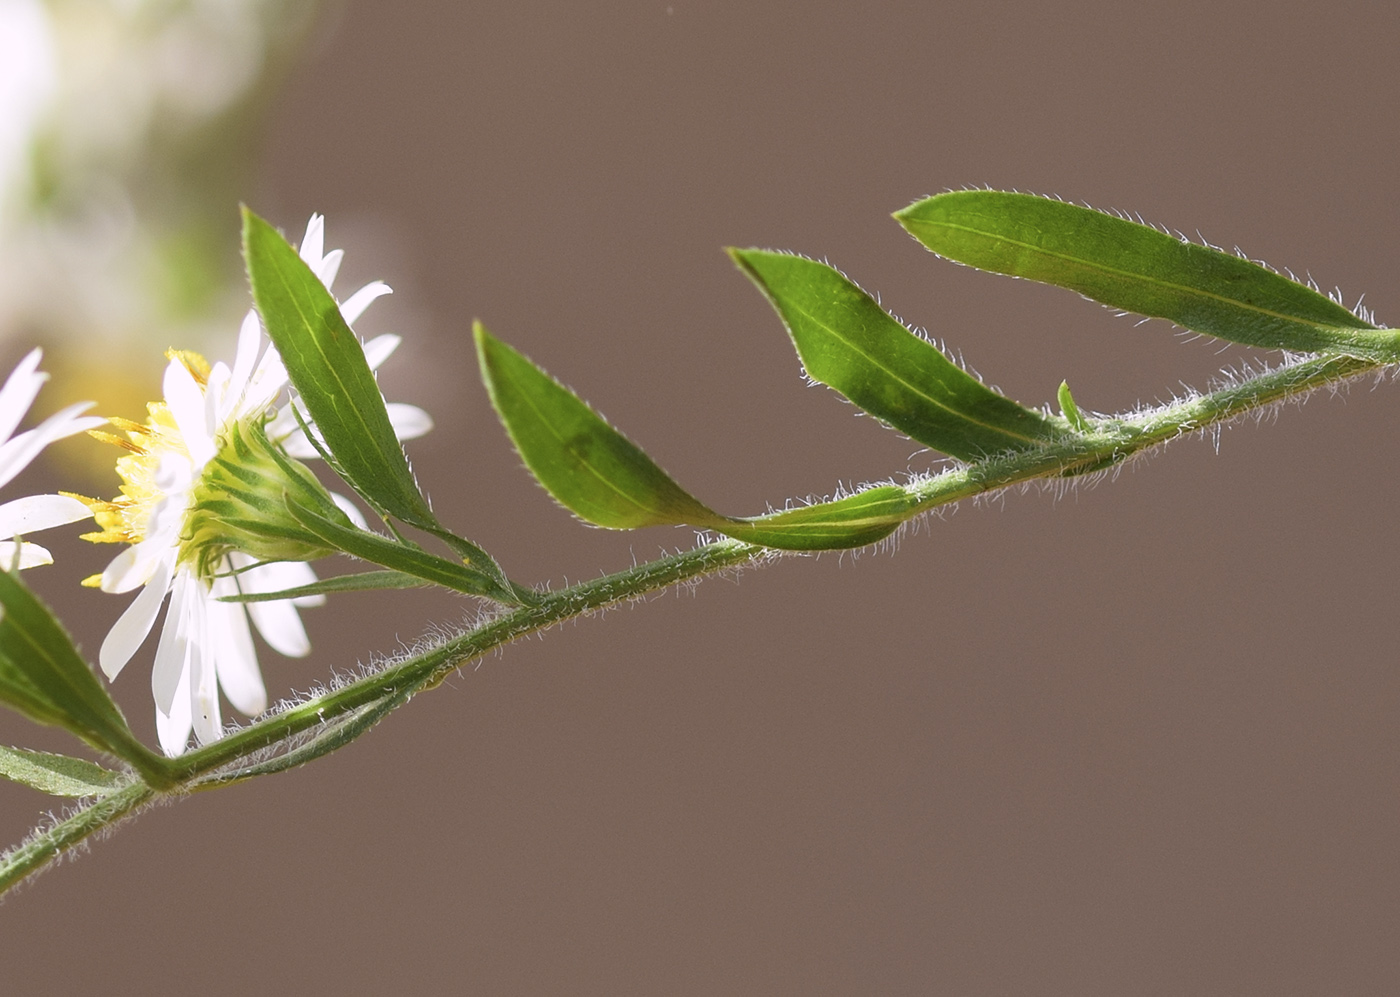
234,657
173,728
19,392
283,424
269,378
30,555
239,675
216,396
356,304
281,627
343,503
275,577
314,241
171,652
244,360
16,454
174,478
39,512
186,404
204,675
131,629
281,575
120,574
380,348
409,421
330,267
136,565
298,445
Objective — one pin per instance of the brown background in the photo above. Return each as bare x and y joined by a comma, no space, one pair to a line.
1140,739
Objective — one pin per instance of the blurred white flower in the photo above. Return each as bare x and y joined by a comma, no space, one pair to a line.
28,76
126,127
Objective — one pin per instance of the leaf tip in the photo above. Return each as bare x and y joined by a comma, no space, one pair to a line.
483,339
741,257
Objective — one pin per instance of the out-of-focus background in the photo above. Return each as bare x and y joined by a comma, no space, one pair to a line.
1142,738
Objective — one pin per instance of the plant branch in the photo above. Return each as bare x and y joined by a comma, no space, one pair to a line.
310,729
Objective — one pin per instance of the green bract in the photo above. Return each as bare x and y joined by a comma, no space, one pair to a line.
240,504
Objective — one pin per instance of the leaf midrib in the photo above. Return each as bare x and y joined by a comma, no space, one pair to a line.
915,390
1146,278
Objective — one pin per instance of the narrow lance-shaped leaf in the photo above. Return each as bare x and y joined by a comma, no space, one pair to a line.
364,581
57,775
327,365
604,478
41,669
590,468
848,342
855,521
1137,269
398,556
480,561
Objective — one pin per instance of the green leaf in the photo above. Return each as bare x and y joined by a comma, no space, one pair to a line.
604,478
1137,269
326,363
854,521
57,775
848,342
42,674
364,581
402,557
585,464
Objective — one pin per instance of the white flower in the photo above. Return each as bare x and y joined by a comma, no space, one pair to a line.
206,644
27,515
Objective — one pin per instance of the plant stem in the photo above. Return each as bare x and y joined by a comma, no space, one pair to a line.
43,846
327,722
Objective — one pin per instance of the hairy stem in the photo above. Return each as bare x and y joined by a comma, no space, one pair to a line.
313,728
46,844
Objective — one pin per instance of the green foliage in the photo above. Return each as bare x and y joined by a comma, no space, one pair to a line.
57,775
854,521
1070,410
605,479
43,676
844,340
590,468
1138,269
327,365
364,581
848,342
400,556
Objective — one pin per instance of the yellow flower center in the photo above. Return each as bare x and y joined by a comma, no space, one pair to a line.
124,519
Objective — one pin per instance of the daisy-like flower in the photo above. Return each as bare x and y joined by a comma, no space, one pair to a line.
210,465
26,515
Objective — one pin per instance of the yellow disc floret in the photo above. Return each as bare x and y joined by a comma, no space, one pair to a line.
124,518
